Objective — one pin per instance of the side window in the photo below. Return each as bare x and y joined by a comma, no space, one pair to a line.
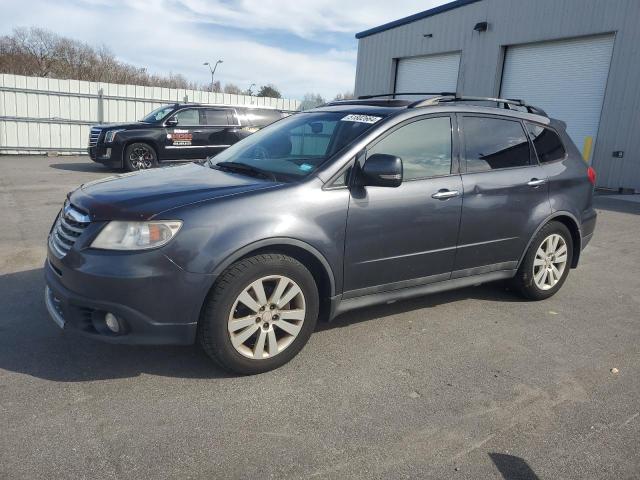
215,117
188,117
493,143
547,143
424,147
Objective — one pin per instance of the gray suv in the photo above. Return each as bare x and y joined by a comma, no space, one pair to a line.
351,204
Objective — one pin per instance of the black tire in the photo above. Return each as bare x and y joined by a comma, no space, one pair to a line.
524,282
140,156
213,332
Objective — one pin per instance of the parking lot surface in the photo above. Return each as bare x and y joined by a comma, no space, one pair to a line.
474,383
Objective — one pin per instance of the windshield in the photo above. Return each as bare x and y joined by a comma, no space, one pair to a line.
296,146
158,114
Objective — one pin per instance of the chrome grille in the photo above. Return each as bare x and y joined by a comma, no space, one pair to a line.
94,135
68,227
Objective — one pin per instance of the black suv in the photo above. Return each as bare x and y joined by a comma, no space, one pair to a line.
177,132
350,204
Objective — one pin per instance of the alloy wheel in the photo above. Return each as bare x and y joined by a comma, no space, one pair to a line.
266,317
141,158
550,261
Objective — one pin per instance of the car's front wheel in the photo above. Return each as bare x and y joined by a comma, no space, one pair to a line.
140,156
547,262
259,314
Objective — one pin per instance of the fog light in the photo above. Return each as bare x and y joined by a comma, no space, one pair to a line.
112,322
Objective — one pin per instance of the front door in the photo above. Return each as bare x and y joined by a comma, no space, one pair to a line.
505,195
182,140
405,236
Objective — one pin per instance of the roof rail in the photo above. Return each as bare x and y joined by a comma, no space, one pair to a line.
506,103
381,95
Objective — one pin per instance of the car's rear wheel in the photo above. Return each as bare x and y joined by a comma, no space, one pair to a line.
140,156
259,314
547,262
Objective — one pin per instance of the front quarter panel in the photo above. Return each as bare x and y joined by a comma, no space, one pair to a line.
216,231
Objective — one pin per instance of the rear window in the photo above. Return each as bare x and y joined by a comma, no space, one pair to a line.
547,143
259,117
494,143
216,117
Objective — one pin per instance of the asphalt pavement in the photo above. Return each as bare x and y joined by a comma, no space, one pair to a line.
475,383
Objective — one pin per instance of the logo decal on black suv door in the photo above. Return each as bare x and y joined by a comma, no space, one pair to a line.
180,137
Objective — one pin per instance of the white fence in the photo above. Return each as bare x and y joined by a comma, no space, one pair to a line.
40,115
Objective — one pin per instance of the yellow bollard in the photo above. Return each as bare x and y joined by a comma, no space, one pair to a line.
586,148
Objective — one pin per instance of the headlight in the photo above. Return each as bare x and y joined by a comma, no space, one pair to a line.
110,135
136,235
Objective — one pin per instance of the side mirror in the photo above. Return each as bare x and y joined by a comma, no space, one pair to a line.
381,170
171,122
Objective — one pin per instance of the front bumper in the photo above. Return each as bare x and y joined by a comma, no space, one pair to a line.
156,302
109,155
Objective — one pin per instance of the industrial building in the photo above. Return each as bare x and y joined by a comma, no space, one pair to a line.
579,60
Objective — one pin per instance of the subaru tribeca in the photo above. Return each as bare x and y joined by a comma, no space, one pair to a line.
351,204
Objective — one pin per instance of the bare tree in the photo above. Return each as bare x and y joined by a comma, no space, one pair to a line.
233,89
344,96
311,100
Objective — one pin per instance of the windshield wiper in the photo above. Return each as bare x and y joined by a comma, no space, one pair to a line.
244,168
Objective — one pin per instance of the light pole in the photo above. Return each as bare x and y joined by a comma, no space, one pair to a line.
212,70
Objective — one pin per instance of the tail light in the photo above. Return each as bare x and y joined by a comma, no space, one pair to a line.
591,173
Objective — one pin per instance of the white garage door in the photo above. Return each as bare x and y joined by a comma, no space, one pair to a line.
565,78
433,73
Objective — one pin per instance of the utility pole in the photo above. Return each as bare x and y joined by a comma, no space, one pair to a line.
212,70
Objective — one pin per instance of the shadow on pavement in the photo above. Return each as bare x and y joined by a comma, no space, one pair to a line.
604,202
495,291
513,468
30,343
88,166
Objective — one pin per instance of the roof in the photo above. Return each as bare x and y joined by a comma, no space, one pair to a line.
416,16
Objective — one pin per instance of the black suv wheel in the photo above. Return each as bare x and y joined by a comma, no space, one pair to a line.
140,156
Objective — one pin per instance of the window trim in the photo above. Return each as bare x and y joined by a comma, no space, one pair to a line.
201,114
455,151
535,150
463,144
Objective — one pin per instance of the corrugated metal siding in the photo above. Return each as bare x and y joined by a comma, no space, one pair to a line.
46,114
513,22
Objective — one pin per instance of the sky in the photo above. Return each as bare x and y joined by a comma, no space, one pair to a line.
300,46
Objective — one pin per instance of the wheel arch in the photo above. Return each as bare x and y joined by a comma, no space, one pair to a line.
306,254
571,222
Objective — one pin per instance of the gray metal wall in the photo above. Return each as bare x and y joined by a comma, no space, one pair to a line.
48,115
514,22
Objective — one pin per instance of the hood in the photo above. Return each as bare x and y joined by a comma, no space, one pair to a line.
141,195
129,126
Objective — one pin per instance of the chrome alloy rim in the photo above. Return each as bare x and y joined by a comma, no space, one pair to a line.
266,317
141,158
550,262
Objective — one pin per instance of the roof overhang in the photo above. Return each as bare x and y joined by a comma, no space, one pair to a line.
416,16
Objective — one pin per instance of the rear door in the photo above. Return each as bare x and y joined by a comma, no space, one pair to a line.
218,130
505,194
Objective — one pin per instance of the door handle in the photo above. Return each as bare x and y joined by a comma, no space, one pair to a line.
445,194
534,182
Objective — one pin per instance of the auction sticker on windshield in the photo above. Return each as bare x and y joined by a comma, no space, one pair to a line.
360,118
